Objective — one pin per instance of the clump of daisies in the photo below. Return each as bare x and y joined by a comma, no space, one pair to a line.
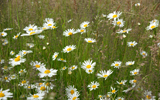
72,93
153,24
114,15
88,66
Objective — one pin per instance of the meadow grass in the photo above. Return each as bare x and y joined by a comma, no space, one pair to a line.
109,47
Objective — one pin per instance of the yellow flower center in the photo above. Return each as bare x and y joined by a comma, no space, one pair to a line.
89,41
55,56
32,33
73,67
85,25
131,44
118,22
24,81
53,27
40,84
119,99
105,75
35,96
74,98
153,26
134,81
114,16
5,78
31,29
124,31
47,71
94,86
72,91
42,88
2,33
116,64
69,49
121,83
24,52
47,84
82,30
62,59
100,96
64,67
16,36
13,76
5,67
49,24
130,64
37,66
135,73
148,97
113,91
88,66
21,71
1,94
90,71
70,33
29,87
17,59
44,28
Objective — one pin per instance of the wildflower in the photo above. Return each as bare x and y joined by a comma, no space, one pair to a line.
37,96
70,90
22,71
5,42
118,22
49,20
89,71
122,82
5,78
84,24
49,24
124,31
5,94
93,85
7,29
69,20
148,95
37,64
29,33
154,21
113,90
116,64
5,68
81,30
16,36
132,43
61,59
30,45
41,36
46,72
90,40
64,68
74,67
139,23
114,15
74,96
119,98
29,86
12,53
104,74
150,36
23,83
3,34
103,15
47,43
12,77
143,53
1,61
152,25
130,63
55,55
137,4
133,81
44,47
69,32
69,48
30,28
88,64
134,72
16,61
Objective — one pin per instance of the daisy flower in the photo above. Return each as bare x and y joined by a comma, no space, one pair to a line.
144,53
3,34
29,33
23,83
130,63
81,30
116,64
74,67
70,90
55,55
1,61
122,82
37,96
104,74
90,40
7,29
119,98
50,25
5,68
84,24
12,53
137,4
61,59
103,15
16,36
16,61
5,78
114,15
64,68
88,64
48,20
41,36
44,47
124,31
152,25
29,86
22,71
118,22
69,32
5,94
69,48
74,96
113,90
93,85
13,76
46,72
134,72
132,43
89,71
37,64
133,82
148,95
5,42
30,45
30,28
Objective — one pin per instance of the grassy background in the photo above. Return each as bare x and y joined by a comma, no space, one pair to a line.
18,14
